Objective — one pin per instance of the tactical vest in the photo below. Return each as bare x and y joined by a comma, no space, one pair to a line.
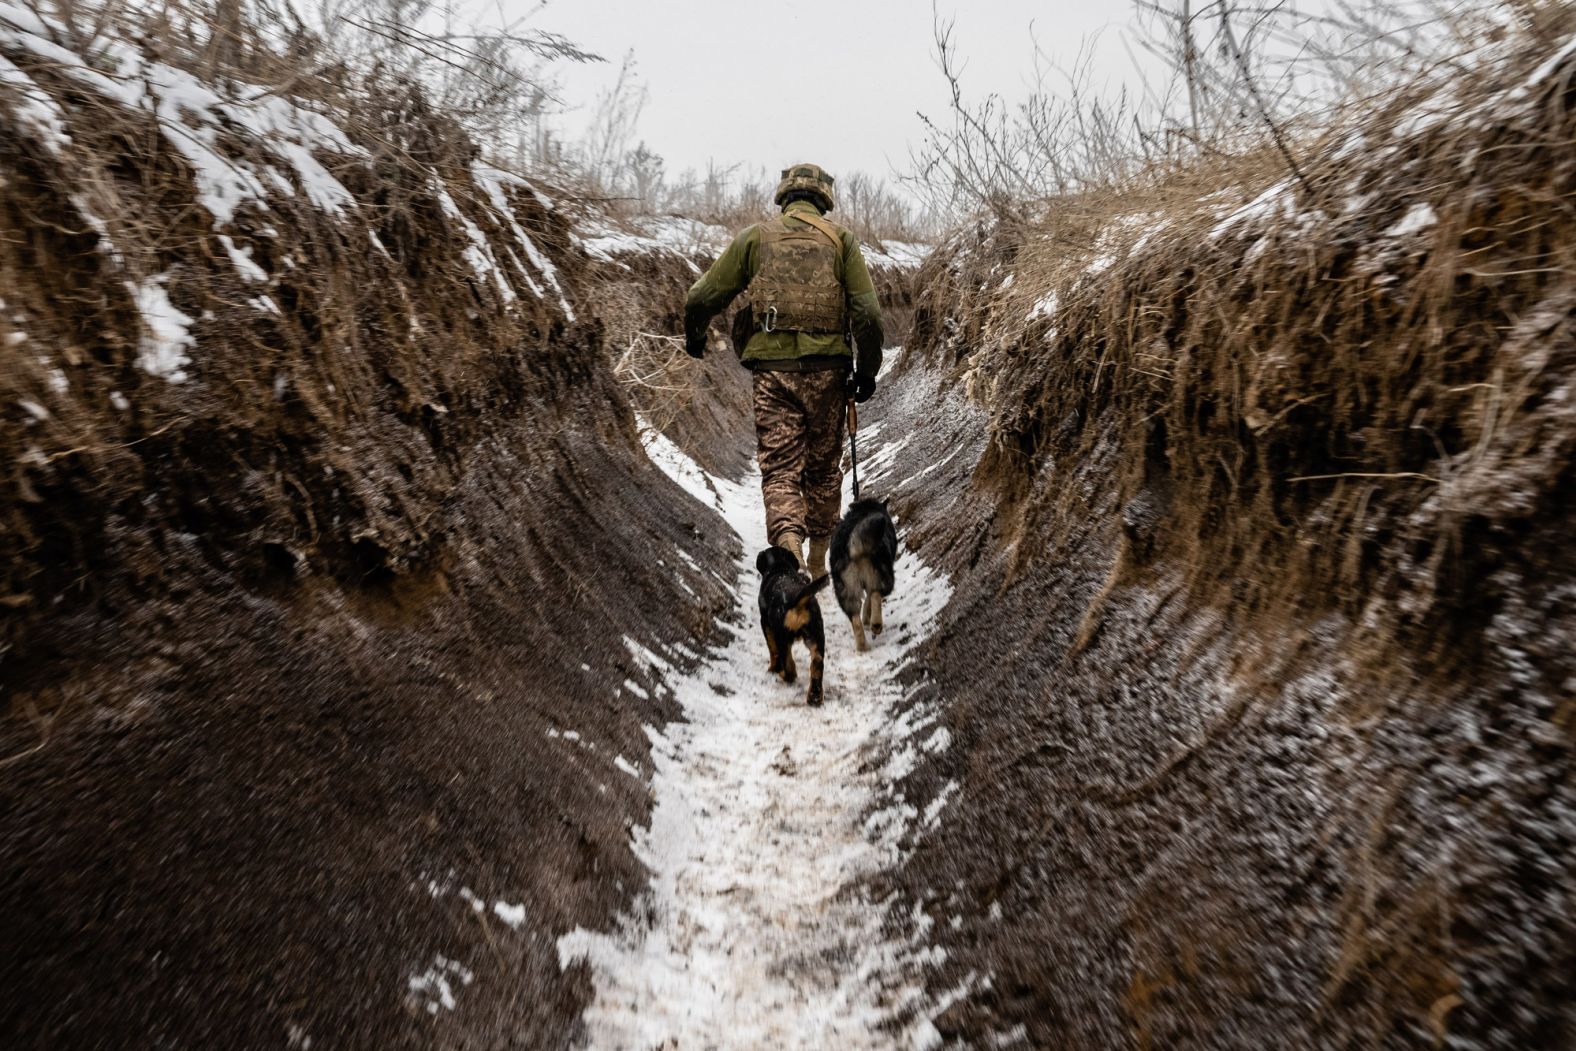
796,288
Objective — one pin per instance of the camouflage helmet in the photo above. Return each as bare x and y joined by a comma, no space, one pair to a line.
811,179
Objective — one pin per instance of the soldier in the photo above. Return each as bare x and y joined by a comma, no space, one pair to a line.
808,289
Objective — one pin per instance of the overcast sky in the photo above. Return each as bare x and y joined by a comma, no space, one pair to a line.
772,83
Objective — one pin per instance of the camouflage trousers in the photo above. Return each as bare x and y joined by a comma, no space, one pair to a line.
799,419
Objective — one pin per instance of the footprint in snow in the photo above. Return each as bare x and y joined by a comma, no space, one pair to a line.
784,763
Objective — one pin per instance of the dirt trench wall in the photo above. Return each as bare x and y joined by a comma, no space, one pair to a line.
1246,756
639,275
327,636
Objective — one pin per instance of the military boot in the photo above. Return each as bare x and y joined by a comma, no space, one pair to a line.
818,546
793,542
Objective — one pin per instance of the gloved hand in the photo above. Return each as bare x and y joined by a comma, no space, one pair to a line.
864,387
695,345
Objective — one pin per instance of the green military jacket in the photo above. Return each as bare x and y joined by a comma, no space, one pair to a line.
792,351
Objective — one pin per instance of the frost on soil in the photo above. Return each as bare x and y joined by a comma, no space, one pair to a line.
245,147
755,932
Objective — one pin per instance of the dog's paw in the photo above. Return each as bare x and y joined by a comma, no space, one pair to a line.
875,627
813,698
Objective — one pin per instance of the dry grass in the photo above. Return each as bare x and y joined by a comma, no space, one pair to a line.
658,375
1316,406
372,341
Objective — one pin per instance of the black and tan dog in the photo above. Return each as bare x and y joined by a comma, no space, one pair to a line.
790,611
864,554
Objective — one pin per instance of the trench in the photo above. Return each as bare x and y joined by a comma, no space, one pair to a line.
365,684
757,929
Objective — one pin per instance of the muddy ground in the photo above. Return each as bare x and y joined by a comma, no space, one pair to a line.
323,664
1197,829
257,805
1258,664
294,641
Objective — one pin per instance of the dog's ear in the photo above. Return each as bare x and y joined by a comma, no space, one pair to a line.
763,561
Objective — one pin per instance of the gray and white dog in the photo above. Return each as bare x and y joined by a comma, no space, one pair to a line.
863,553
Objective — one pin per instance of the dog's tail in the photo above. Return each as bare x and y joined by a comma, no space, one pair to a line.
873,535
806,593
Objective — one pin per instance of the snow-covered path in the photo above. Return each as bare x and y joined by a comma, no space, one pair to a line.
767,812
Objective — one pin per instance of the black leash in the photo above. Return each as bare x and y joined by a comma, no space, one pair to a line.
853,446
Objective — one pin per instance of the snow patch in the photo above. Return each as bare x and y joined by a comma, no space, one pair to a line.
192,119
933,810
433,989
689,475
768,816
242,259
492,182
166,333
478,252
243,144
1544,71
900,255
1044,307
687,239
1273,202
1419,217
648,661
512,915
34,110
